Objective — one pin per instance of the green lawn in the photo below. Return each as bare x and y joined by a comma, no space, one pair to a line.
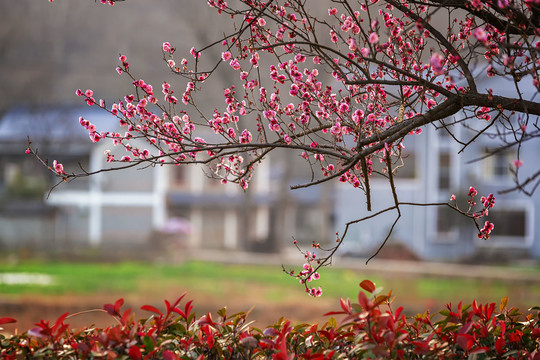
132,277
268,282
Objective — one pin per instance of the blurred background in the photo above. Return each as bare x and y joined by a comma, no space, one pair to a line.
151,234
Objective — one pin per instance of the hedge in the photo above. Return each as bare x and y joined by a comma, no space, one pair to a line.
370,328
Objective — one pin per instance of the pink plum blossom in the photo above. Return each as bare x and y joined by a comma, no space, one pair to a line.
437,62
58,168
226,56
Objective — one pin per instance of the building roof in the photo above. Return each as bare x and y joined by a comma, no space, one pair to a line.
53,124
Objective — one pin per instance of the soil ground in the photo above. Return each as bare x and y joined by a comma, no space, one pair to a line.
29,310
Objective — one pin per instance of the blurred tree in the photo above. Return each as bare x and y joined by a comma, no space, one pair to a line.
47,52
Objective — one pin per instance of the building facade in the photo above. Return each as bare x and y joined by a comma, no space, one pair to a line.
162,208
439,167
174,208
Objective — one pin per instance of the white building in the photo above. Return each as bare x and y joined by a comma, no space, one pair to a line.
437,170
158,208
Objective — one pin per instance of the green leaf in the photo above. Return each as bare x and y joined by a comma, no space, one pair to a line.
444,312
300,327
190,318
178,329
452,327
332,323
380,299
148,343
222,312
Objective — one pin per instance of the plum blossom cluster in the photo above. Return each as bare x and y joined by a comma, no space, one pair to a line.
290,103
360,112
170,133
58,168
486,230
487,202
309,271
307,275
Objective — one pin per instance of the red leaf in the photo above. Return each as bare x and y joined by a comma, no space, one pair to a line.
465,328
368,286
398,312
118,304
61,330
135,353
282,354
206,320
345,305
180,312
59,321
475,308
421,347
364,301
178,300
114,310
169,355
187,310
334,313
7,320
499,345
109,308
479,350
151,309
465,341
115,334
311,329
126,316
489,310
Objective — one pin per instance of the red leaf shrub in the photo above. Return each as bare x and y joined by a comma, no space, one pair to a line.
370,328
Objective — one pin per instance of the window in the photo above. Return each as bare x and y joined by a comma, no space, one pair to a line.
514,225
179,176
408,168
212,231
447,223
509,223
496,165
444,130
445,166
129,180
126,224
75,164
214,184
445,220
404,168
23,179
309,224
